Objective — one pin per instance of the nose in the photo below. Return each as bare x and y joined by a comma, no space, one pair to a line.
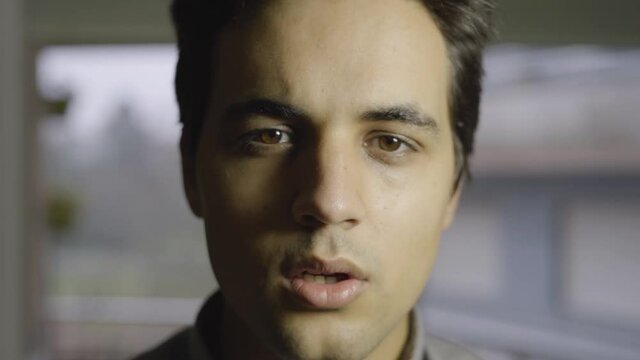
329,187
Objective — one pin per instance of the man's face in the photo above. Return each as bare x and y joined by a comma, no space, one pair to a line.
327,156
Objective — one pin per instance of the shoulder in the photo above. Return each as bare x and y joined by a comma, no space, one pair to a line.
441,349
175,347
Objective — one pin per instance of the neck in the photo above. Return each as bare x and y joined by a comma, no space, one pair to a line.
396,345
238,341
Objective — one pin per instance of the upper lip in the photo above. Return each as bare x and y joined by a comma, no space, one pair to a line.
318,266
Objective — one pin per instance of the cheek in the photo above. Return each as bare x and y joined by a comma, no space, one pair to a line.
236,193
412,225
410,219
242,218
247,210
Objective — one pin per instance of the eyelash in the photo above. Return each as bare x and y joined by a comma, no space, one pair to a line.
251,143
404,143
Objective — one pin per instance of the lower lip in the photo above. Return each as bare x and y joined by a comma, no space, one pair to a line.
327,296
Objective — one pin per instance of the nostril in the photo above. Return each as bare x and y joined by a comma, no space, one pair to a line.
310,220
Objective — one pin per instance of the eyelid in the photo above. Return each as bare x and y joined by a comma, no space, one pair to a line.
406,141
253,135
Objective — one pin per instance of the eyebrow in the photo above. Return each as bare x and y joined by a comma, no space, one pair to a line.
406,113
265,107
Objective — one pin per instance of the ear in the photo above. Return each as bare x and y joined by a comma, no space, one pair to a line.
189,175
452,206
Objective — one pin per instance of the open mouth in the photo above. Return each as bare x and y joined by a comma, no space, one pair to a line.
324,278
325,284
318,270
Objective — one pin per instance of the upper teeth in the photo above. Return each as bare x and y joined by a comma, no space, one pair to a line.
321,279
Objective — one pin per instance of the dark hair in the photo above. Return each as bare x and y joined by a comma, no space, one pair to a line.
466,25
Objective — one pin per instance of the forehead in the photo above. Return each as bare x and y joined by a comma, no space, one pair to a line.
336,54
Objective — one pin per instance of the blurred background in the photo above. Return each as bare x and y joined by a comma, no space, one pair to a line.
100,257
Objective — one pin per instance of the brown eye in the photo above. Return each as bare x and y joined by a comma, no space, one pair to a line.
271,136
389,143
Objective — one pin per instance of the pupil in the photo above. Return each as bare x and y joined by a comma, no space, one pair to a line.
271,136
390,143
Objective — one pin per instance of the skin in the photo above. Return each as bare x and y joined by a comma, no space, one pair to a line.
334,184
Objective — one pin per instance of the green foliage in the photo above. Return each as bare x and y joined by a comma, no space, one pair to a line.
61,212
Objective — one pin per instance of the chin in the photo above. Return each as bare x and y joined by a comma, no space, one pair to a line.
311,337
298,348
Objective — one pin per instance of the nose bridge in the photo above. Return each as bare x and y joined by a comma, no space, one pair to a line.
329,191
332,153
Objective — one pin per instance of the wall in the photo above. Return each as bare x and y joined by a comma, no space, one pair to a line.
12,176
